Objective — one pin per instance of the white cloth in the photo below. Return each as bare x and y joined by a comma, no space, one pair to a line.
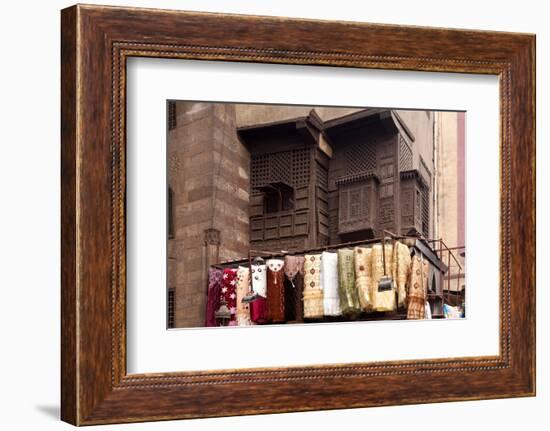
275,265
259,279
329,284
427,311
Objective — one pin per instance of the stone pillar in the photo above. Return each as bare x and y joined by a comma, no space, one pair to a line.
211,252
208,174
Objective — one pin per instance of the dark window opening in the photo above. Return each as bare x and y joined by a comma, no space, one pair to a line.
171,309
172,118
278,197
170,213
360,235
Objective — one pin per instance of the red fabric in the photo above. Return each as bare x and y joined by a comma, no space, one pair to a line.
228,293
258,310
213,295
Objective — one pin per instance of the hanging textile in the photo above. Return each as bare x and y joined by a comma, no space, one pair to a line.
329,284
275,291
258,307
416,298
294,285
213,295
228,294
259,279
427,311
400,271
349,297
451,312
243,287
313,294
382,300
363,276
258,310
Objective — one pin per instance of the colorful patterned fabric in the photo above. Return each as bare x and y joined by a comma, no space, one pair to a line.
349,297
451,312
313,294
382,300
213,295
400,271
229,293
243,287
275,291
416,298
294,285
363,276
329,284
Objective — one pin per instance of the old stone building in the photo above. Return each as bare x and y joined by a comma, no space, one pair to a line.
293,177
450,190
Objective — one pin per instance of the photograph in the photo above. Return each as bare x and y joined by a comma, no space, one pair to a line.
287,214
269,210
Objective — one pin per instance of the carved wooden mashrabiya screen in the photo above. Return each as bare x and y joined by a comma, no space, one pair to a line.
316,183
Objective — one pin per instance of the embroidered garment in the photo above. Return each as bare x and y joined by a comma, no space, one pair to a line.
363,276
382,300
313,294
416,298
258,307
294,284
213,295
275,290
229,293
400,271
329,284
349,297
243,287
259,279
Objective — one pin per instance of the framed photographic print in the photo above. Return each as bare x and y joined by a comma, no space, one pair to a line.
251,205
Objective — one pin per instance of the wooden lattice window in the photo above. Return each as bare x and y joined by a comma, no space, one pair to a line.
426,212
427,176
405,155
418,205
172,117
361,157
300,167
170,312
355,207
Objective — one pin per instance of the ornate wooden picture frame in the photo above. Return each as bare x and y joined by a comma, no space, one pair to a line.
96,41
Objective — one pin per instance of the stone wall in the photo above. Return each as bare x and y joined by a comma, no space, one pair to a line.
450,183
208,176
